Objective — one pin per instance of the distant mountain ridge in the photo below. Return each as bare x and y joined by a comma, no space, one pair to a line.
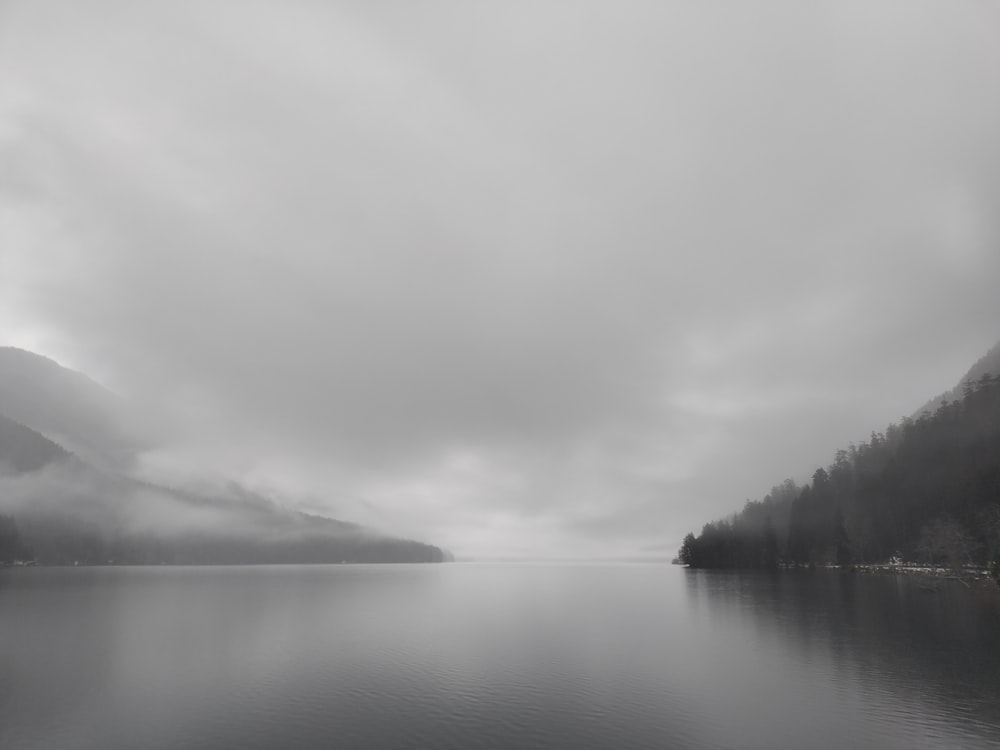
69,510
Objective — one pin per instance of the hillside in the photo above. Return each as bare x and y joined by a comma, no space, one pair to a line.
70,513
68,408
926,490
22,449
59,508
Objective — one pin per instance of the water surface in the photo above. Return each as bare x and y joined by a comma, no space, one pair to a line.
491,656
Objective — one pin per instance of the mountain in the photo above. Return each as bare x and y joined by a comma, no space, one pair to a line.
925,490
22,449
75,501
68,408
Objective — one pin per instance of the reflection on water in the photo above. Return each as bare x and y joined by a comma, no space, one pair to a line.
490,656
912,667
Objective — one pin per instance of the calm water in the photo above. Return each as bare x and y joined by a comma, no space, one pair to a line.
490,656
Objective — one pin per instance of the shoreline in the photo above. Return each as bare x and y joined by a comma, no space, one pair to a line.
932,578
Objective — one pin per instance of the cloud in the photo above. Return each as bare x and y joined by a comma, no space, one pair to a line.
500,276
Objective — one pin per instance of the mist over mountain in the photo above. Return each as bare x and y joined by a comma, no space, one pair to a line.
22,449
70,409
86,505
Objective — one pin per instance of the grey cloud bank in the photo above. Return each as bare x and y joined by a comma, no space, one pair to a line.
522,279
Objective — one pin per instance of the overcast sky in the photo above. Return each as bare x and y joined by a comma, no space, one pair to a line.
519,278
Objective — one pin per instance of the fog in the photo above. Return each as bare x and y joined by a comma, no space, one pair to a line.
520,280
77,497
75,494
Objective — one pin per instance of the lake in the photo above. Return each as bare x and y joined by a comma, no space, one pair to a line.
491,656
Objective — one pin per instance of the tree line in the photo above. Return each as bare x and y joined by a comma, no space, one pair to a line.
925,490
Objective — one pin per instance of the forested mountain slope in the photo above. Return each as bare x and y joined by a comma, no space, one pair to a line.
988,364
927,489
